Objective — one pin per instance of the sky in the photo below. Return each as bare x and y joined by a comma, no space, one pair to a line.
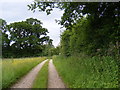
16,10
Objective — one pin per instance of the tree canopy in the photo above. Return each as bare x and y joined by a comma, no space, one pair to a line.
25,38
73,11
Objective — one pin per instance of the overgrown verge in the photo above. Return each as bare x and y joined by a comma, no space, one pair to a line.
42,77
13,69
87,72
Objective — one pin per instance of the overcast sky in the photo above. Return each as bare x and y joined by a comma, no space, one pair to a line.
17,10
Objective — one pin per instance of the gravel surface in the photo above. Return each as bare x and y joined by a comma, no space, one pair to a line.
27,80
54,81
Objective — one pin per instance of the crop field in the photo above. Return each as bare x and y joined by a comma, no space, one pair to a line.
13,69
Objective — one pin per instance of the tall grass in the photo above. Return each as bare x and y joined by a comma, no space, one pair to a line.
13,69
0,73
41,80
86,72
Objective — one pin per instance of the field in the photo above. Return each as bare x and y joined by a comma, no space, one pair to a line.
87,72
13,69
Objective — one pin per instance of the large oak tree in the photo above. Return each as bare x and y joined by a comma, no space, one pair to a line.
27,38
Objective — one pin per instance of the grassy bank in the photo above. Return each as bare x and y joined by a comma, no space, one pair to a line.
13,69
42,77
86,72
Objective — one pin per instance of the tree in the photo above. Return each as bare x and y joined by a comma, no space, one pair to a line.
3,24
75,10
27,38
65,43
5,40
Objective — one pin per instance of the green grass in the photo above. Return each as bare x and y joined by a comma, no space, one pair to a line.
13,69
42,77
86,72
0,74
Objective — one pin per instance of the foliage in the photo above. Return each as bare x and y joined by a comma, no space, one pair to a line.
51,50
92,34
87,72
13,69
3,24
74,10
41,80
26,38
84,38
65,39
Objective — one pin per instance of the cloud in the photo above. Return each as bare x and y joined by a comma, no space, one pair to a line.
16,1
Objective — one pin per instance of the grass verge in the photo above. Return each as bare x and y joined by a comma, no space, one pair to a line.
42,77
13,69
87,72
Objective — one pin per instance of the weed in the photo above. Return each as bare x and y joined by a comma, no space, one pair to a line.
13,69
88,72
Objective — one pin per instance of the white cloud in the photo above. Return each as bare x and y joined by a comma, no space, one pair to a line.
18,1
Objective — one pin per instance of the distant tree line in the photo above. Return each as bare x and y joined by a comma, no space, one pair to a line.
24,39
91,28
